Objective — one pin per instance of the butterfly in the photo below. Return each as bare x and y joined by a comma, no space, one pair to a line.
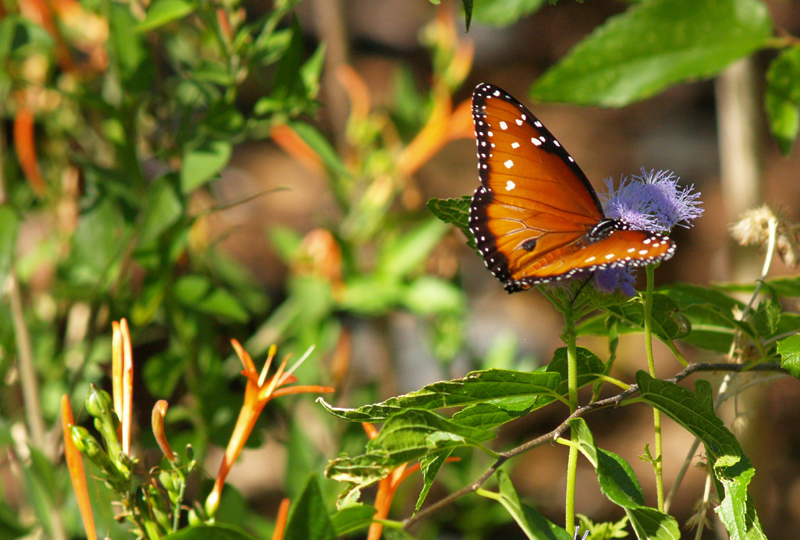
535,217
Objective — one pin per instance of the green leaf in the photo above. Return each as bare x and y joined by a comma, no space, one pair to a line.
10,526
505,12
308,517
619,483
534,525
352,518
412,434
404,437
130,54
9,227
163,208
313,138
588,364
467,12
162,12
782,98
429,295
429,467
789,349
508,390
710,313
210,532
654,45
731,467
407,252
766,317
203,164
455,211
96,244
666,325
650,524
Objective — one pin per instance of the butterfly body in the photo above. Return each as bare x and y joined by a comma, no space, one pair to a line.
535,217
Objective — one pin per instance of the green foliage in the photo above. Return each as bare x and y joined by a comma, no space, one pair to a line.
782,99
131,134
654,45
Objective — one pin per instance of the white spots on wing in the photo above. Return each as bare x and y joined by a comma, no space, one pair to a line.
510,185
647,241
536,141
570,158
515,145
537,124
590,259
609,256
490,134
519,121
555,142
631,250
643,252
542,138
503,125
508,163
497,93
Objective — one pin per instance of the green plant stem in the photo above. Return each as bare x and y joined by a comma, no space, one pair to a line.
569,337
651,366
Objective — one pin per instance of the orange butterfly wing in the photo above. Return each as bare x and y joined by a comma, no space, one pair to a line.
536,217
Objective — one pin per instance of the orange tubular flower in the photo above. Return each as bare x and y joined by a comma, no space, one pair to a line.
122,380
159,412
258,392
25,145
280,522
387,487
76,470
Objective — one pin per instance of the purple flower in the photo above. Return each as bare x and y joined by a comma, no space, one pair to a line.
652,202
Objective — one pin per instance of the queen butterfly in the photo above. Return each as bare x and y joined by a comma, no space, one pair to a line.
535,217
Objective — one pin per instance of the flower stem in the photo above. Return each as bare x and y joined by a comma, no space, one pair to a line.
651,366
569,338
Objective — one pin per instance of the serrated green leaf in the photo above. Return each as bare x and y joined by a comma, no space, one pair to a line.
782,98
534,525
203,164
766,317
308,517
455,211
650,524
507,390
654,45
505,12
412,434
789,349
666,325
589,367
162,12
407,436
731,467
429,467
619,483
681,405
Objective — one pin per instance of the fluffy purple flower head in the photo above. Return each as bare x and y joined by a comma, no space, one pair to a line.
652,202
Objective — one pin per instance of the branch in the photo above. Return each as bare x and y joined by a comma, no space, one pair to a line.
579,412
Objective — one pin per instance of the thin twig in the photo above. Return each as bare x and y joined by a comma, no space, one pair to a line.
557,432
